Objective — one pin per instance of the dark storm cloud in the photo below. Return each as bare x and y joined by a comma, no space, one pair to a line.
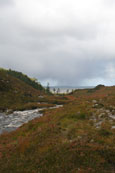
53,42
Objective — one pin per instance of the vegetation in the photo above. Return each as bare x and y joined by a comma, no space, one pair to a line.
32,82
77,138
48,89
96,88
17,94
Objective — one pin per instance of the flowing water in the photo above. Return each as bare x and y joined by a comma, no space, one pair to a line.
16,119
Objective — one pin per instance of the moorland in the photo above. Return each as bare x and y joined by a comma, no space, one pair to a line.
76,138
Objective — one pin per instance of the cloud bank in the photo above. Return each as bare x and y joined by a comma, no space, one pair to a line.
67,42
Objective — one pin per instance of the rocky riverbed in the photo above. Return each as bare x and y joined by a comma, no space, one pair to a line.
16,119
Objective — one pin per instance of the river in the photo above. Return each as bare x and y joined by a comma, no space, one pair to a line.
16,119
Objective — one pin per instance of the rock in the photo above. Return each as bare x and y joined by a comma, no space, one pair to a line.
98,124
41,96
111,121
94,101
87,102
95,105
107,111
101,115
92,140
112,117
79,137
109,114
99,106
9,111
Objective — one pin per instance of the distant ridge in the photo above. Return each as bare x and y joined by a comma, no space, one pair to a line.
72,87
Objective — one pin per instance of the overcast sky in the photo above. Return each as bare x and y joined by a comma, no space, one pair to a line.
63,42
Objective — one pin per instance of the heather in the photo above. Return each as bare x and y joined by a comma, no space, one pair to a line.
79,137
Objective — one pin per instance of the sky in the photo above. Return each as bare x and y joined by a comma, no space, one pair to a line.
69,42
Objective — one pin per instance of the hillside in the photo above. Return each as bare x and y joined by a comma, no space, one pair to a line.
25,79
14,92
18,93
77,138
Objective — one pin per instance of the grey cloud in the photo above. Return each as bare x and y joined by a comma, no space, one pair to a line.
109,2
6,2
75,53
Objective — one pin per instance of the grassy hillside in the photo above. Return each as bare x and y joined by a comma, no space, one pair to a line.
78,138
14,92
26,79
20,94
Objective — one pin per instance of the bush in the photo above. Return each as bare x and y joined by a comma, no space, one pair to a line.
80,116
104,132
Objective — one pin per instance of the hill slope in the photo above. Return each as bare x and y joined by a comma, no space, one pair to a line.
15,92
19,92
25,79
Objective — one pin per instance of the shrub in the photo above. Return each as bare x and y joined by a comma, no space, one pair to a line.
104,132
